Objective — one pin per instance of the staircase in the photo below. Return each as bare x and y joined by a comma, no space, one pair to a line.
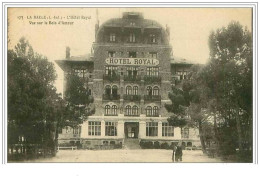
131,144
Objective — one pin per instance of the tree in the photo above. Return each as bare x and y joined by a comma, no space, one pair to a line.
34,107
229,78
177,107
79,101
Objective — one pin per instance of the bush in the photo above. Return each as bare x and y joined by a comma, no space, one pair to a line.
146,145
156,145
165,145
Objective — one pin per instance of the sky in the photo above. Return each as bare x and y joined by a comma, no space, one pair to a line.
189,28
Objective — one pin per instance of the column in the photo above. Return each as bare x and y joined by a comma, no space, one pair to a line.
120,129
159,129
177,132
84,130
142,129
103,128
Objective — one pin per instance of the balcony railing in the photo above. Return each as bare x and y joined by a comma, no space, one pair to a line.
111,97
132,78
132,97
113,77
152,98
132,115
152,79
111,114
153,115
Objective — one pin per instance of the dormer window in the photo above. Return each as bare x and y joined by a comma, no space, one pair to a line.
112,37
132,54
132,37
153,55
111,54
152,38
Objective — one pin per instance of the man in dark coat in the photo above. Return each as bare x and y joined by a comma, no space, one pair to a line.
173,152
178,153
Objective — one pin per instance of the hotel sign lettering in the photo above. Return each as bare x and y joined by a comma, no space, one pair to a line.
132,61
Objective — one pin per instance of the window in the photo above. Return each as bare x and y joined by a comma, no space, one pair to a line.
185,132
167,131
153,55
152,38
111,70
111,129
128,110
132,71
107,110
132,54
67,129
76,130
135,90
149,90
94,128
132,37
112,37
155,111
81,73
108,90
156,91
114,110
111,54
128,90
152,71
135,110
149,111
151,129
114,90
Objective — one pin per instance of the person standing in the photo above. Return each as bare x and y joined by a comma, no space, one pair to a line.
173,152
178,153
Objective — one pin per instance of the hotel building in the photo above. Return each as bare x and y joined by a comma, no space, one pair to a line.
129,73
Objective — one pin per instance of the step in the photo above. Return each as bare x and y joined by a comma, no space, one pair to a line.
131,144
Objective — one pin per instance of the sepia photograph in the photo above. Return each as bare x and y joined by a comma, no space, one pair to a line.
130,85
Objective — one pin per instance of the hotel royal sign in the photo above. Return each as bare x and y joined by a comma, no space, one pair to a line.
132,61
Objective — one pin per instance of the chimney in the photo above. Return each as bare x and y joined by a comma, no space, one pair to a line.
67,52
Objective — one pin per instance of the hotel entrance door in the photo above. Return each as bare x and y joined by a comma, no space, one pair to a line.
131,129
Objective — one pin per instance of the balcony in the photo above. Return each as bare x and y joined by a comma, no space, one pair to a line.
132,97
111,97
152,98
132,78
152,79
113,77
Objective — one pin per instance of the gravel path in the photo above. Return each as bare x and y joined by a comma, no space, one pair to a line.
123,155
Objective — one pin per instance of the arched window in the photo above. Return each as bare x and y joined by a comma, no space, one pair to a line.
107,110
128,90
128,110
114,110
135,110
108,90
135,90
149,90
149,111
114,90
156,91
155,111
